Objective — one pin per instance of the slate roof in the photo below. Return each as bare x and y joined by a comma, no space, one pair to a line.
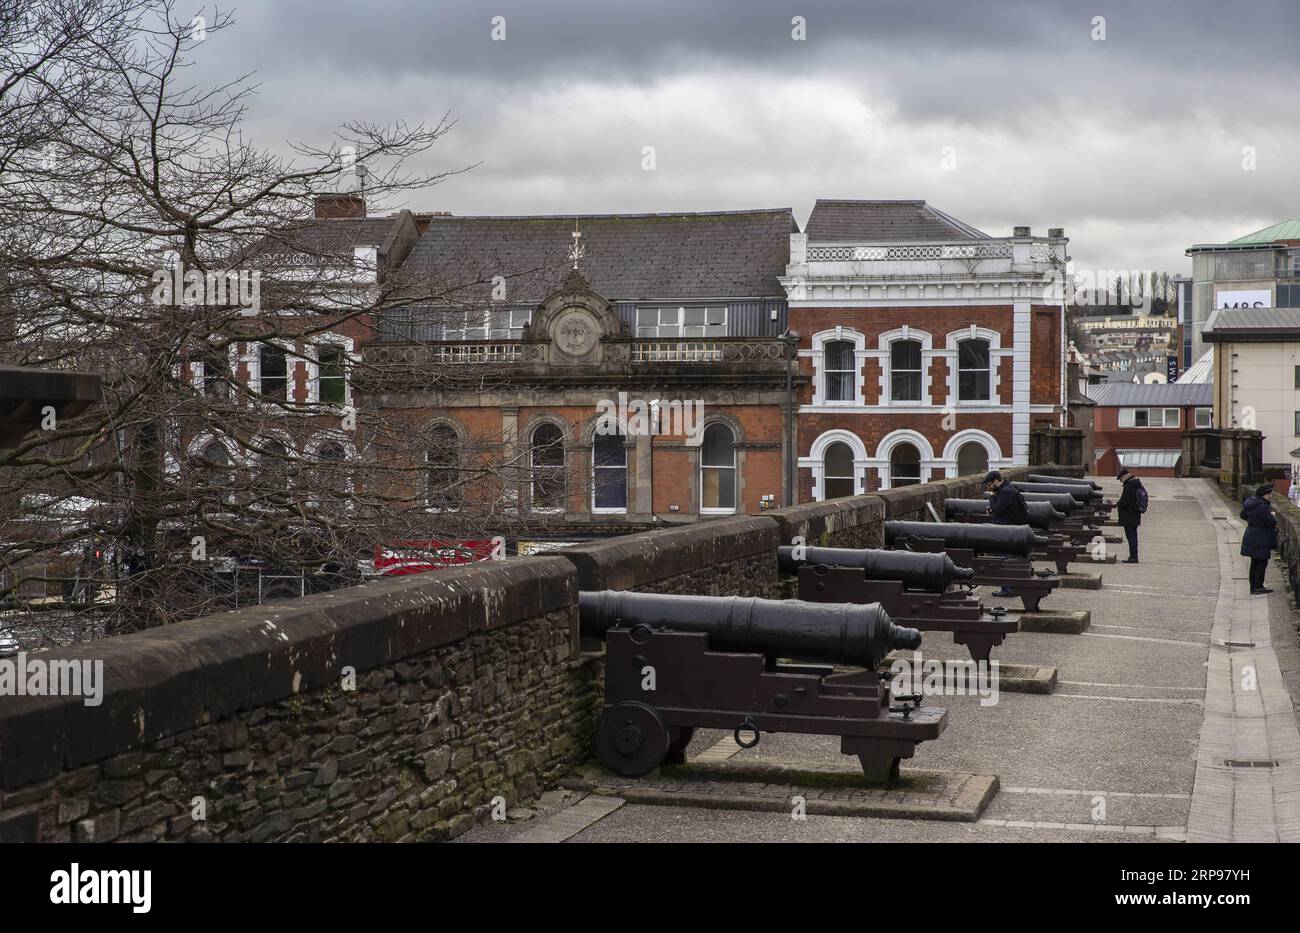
334,236
1252,323
627,257
884,222
1133,394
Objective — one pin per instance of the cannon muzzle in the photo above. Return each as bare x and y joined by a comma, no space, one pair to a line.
1041,514
1018,540
832,633
931,572
1062,480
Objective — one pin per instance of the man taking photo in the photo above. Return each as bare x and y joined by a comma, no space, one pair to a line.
1007,507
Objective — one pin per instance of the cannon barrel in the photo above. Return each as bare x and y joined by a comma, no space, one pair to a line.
1019,540
1085,494
931,572
832,633
1062,480
1041,514
1061,501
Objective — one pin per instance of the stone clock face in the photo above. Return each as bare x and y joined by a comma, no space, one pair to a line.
576,333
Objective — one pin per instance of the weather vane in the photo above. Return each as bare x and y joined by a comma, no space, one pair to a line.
577,250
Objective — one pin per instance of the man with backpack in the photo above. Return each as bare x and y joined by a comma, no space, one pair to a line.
1007,507
1132,503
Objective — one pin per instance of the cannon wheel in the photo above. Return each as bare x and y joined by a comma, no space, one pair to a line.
631,739
678,738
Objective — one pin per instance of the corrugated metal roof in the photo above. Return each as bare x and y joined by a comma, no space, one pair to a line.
1259,321
1202,371
884,222
1158,393
1150,457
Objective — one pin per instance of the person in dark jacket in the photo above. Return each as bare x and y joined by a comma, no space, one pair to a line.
1128,515
1004,496
1260,537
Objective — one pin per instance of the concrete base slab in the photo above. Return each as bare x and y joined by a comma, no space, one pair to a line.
1080,580
1012,678
773,786
1074,622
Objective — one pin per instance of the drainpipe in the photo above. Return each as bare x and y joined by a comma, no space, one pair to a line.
791,343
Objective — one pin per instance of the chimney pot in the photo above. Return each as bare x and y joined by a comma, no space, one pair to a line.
1056,233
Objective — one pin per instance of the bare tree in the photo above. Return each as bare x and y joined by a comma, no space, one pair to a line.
142,237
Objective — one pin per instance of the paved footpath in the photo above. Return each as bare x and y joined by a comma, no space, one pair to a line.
1171,721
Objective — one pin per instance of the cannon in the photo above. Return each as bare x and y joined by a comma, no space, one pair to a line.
1041,514
999,554
1065,543
1086,495
1018,540
932,573
1062,480
1078,522
914,588
677,663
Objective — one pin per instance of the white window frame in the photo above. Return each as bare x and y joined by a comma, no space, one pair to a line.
680,323
605,510
992,391
952,354
333,341
1128,417
886,359
1209,417
818,356
735,477
532,466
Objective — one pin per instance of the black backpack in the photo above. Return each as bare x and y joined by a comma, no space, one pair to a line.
1019,511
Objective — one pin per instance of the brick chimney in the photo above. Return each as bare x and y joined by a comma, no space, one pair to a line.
340,206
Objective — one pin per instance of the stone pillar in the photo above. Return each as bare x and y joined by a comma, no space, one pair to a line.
642,503
515,469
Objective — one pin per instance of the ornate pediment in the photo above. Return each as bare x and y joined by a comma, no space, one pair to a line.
575,320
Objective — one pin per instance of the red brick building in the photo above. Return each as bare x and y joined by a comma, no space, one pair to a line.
1141,426
930,348
594,372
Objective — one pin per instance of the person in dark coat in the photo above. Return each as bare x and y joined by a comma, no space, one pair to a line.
1260,537
1128,515
1004,496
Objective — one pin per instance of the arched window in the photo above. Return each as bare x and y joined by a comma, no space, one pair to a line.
904,465
841,371
905,371
547,465
442,468
608,473
718,469
273,467
837,471
216,457
973,371
972,459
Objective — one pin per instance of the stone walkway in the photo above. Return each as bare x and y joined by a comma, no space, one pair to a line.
1147,736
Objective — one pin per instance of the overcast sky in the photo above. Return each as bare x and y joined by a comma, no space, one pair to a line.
1133,144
